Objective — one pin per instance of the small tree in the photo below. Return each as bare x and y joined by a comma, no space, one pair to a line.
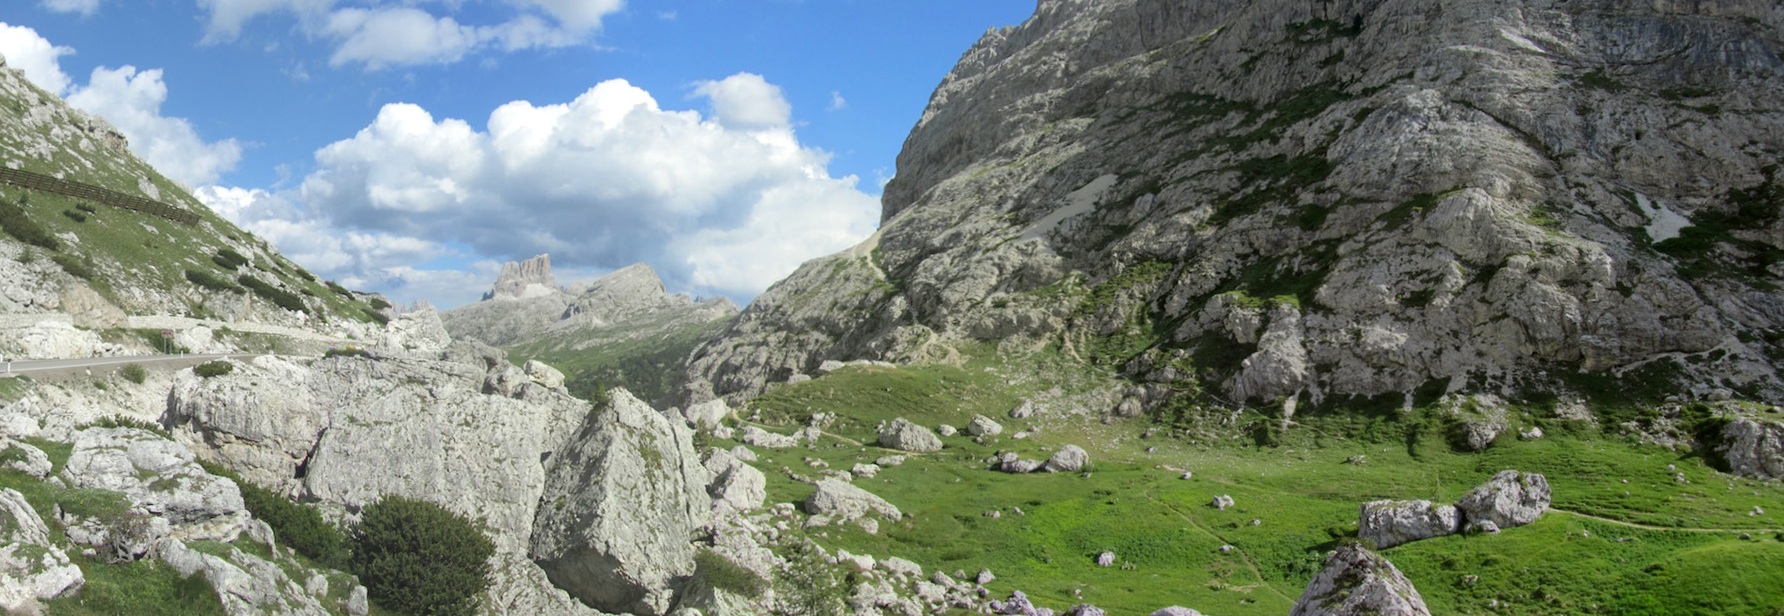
416,557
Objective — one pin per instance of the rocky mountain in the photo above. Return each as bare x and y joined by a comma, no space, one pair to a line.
623,329
99,247
1316,203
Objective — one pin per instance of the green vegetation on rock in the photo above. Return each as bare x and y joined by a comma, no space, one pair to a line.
416,557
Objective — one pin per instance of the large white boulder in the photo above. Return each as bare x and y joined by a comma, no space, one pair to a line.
32,569
904,435
1508,499
1388,523
621,509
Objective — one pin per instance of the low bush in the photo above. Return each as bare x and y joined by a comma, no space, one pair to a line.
415,557
299,526
279,297
19,225
346,352
134,373
204,279
213,368
728,576
75,267
75,216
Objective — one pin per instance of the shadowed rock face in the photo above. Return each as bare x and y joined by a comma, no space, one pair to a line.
1354,197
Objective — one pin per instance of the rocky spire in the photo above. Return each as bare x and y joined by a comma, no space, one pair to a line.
524,279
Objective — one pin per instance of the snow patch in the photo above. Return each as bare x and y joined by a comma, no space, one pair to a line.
1077,203
1663,223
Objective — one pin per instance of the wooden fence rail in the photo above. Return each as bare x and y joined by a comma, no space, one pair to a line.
78,190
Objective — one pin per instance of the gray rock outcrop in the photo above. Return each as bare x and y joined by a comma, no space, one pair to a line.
1358,582
24,458
1754,448
1358,198
905,435
161,480
1176,611
621,509
1508,499
1387,523
32,569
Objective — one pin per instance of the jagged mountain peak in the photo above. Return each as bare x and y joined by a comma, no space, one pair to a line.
524,279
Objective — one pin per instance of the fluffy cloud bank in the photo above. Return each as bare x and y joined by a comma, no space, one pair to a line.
131,100
386,33
720,203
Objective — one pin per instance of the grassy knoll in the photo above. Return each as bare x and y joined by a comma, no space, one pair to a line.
1651,545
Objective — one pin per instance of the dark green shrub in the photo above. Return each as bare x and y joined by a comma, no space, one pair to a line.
299,526
229,259
279,297
134,373
74,266
346,352
208,281
213,368
338,289
378,303
19,225
75,216
415,557
86,207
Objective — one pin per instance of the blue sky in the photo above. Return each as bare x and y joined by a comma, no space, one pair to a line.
410,146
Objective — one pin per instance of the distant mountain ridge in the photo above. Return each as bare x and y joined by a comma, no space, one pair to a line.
590,330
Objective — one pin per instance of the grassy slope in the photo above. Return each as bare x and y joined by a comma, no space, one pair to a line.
1167,538
648,366
127,249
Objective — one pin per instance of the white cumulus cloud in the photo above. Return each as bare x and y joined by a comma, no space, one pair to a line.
397,36
30,52
132,100
746,100
719,205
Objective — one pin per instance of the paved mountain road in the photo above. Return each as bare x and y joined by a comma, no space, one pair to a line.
50,369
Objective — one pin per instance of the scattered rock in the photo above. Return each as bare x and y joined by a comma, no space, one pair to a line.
1176,611
985,577
1105,559
709,414
1355,582
981,425
1085,609
1221,502
1069,459
1508,499
1387,523
842,499
903,435
1530,434
946,430
864,470
889,461
758,437
1026,410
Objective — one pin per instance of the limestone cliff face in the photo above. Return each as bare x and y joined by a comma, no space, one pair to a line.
524,279
1281,199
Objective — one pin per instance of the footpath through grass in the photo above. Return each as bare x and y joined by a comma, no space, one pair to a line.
1661,547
